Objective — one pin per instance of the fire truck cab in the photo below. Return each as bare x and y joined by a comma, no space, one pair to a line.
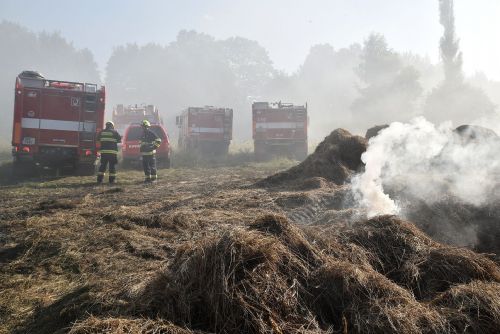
55,123
279,129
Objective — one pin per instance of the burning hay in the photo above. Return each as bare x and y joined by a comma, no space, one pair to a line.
335,159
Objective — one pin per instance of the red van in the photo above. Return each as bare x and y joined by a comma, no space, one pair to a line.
131,145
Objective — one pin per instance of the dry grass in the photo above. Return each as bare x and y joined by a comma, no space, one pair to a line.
94,325
271,277
203,250
472,307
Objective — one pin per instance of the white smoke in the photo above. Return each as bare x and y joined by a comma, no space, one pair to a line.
427,162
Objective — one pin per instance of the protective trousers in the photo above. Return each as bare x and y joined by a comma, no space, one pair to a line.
107,158
149,165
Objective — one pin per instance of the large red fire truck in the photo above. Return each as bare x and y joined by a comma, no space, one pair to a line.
279,129
205,130
55,123
123,116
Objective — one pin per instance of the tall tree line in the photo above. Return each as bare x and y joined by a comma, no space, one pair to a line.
353,87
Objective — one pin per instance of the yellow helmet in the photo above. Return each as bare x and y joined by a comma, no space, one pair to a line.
145,123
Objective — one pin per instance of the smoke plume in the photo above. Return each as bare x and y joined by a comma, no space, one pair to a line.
420,160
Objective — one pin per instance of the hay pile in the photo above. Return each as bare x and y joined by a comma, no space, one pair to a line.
374,131
476,132
410,258
452,221
383,276
94,325
335,159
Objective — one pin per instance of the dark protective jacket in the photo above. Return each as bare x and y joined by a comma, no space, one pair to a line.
109,139
149,142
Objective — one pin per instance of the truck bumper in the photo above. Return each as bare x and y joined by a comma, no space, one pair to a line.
54,157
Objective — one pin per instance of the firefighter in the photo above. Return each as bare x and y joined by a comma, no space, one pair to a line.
108,139
149,143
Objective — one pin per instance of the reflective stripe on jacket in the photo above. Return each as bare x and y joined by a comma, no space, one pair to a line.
149,142
109,139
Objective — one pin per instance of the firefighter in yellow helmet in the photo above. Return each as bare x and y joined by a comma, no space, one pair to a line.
149,143
108,139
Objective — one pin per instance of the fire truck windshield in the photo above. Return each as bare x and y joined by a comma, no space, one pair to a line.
64,85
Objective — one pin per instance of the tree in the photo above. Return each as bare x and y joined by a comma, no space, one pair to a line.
250,63
391,88
454,99
327,81
449,44
379,63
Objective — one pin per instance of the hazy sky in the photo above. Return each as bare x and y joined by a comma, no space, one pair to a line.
286,28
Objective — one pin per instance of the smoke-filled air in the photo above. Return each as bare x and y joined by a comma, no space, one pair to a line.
256,167
429,162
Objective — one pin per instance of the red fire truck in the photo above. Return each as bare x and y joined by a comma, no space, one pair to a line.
206,130
279,129
55,123
123,116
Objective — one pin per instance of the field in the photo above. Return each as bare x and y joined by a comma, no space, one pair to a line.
63,235
229,250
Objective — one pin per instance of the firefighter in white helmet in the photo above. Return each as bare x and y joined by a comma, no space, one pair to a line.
108,139
149,143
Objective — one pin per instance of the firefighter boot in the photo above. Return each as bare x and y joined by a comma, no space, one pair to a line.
100,177
147,179
112,178
154,178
